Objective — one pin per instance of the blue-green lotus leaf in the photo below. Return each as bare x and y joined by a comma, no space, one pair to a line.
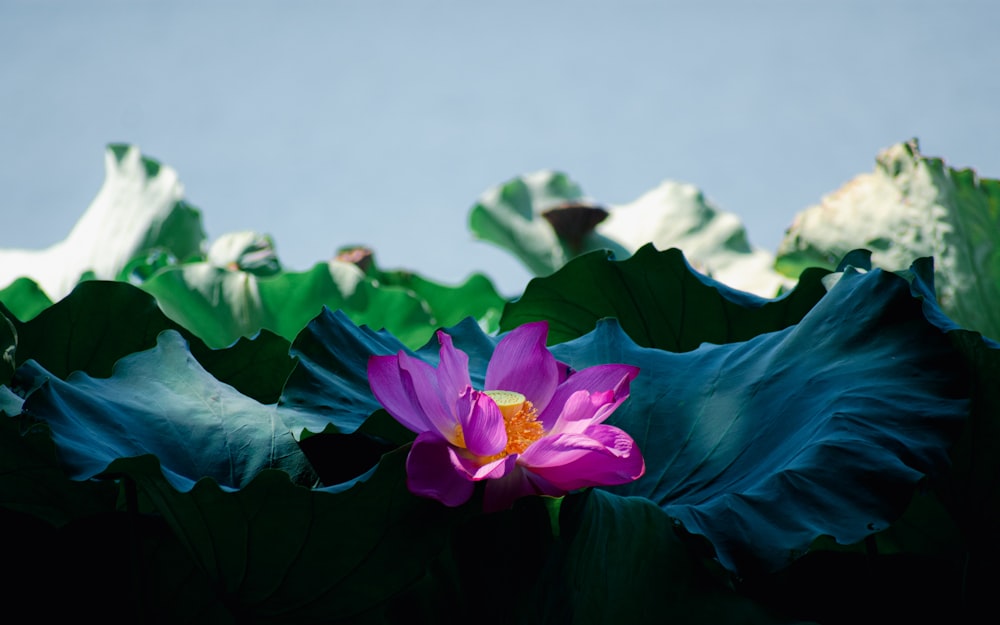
161,402
820,429
329,384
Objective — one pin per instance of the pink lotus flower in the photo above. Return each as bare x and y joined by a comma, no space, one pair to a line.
536,429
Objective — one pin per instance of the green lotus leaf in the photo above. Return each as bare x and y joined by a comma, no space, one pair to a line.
161,402
222,305
911,207
142,267
822,428
510,216
24,298
91,328
139,207
447,304
658,299
102,321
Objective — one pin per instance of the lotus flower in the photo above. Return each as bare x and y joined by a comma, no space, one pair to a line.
536,428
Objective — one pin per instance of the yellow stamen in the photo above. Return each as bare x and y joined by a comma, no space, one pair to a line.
519,419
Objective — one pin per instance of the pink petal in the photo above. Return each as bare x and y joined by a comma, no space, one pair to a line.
420,381
453,367
599,378
582,410
522,363
502,493
482,423
386,379
489,471
431,471
601,456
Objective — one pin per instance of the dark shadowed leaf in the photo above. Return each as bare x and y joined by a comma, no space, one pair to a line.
91,328
659,300
32,482
102,321
276,552
8,348
627,547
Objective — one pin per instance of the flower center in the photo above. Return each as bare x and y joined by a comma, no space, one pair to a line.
519,419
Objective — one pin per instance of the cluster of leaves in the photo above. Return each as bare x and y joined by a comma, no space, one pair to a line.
139,230
190,436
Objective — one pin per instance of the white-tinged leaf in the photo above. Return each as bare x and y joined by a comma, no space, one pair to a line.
139,207
673,215
246,250
911,207
713,241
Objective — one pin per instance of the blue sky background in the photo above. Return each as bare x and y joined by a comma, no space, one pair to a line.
376,122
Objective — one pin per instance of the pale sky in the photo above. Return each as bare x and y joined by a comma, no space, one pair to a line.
331,123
